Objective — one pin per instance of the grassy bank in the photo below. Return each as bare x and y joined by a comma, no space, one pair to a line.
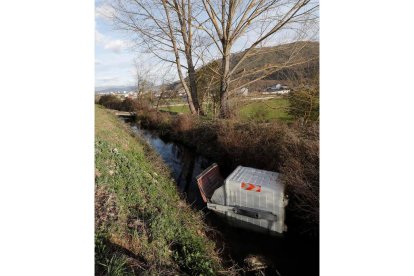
141,222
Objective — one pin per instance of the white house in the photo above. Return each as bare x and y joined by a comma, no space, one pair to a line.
244,91
277,89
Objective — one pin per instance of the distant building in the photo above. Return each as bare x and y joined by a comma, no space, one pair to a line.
181,92
278,89
244,91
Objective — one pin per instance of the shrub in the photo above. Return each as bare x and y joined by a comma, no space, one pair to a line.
299,152
113,102
143,103
128,105
304,103
163,120
110,101
184,122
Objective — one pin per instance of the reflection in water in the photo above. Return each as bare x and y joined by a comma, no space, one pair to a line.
184,164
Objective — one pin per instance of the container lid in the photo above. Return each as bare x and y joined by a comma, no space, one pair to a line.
208,181
251,178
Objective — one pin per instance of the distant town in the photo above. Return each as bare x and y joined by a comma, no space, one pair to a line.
125,94
276,89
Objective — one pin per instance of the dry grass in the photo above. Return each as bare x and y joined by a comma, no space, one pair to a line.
292,150
184,123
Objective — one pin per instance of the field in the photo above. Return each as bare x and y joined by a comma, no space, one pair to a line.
141,222
256,110
265,110
177,108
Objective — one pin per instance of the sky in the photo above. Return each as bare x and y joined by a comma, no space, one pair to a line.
114,57
115,53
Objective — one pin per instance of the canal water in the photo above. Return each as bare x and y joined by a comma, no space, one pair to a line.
288,255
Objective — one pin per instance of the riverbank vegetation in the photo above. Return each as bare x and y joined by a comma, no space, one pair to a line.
141,223
291,149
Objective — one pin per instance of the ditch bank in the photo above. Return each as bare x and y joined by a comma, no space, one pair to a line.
141,222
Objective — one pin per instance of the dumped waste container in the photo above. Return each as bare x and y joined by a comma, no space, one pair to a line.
248,198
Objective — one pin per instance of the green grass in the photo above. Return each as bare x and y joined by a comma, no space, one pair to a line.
138,210
257,110
178,109
265,110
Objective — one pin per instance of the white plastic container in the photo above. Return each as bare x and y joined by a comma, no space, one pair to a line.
251,198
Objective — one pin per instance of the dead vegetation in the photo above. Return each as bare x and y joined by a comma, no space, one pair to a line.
292,150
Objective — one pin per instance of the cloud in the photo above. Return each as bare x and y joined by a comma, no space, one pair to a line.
99,37
107,79
115,45
104,11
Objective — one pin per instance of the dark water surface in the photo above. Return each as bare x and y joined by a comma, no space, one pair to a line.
288,255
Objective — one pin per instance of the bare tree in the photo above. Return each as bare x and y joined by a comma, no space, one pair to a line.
228,20
165,28
142,77
163,89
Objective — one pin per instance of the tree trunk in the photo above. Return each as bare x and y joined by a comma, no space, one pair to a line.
177,59
224,85
184,17
159,99
191,104
193,86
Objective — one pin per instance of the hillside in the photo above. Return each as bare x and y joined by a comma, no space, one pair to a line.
296,62
304,53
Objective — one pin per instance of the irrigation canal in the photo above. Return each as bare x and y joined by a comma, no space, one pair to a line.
286,256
